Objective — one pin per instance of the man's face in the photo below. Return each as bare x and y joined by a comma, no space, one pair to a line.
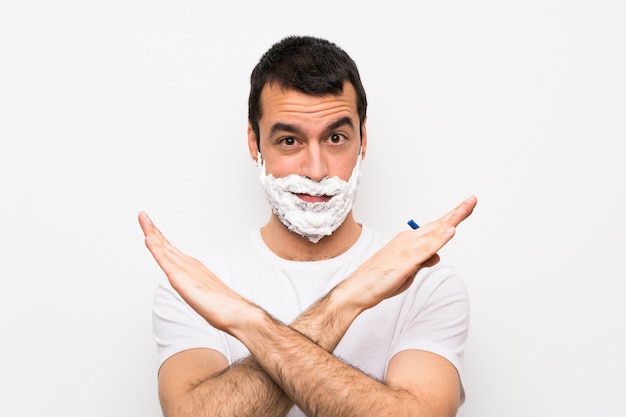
310,136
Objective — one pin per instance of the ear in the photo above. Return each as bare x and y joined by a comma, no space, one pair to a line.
252,143
363,139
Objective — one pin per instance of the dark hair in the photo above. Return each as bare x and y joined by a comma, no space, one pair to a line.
307,64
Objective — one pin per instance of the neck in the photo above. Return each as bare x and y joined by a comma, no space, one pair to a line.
293,247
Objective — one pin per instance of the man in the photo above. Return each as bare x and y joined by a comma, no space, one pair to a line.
376,327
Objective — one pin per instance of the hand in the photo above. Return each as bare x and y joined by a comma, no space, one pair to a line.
198,286
392,269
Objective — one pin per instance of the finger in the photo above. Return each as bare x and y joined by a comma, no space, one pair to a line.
444,229
463,210
455,216
162,250
434,238
146,224
159,252
165,251
149,229
172,261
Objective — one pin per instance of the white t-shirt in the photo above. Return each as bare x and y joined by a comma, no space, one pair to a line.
432,315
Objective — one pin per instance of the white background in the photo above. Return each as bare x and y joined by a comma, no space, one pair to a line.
109,108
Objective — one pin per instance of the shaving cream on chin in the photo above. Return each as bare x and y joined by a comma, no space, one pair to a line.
311,220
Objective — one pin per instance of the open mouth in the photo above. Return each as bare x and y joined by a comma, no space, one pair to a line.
313,198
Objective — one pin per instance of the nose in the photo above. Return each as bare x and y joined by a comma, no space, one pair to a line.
314,166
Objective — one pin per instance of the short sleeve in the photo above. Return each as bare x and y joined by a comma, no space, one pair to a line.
436,317
177,327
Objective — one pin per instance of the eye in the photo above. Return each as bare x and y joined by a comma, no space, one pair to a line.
288,141
336,139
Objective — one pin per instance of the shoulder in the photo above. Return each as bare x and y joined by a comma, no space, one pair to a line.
439,287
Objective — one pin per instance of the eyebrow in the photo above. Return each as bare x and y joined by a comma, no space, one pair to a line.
344,121
291,128
285,127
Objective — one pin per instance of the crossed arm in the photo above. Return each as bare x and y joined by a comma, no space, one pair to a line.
292,364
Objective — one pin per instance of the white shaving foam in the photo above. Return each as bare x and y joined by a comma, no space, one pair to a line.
311,220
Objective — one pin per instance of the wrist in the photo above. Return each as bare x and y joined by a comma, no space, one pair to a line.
248,317
344,303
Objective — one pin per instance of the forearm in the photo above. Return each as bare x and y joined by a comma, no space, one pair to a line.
327,321
245,389
294,363
320,384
